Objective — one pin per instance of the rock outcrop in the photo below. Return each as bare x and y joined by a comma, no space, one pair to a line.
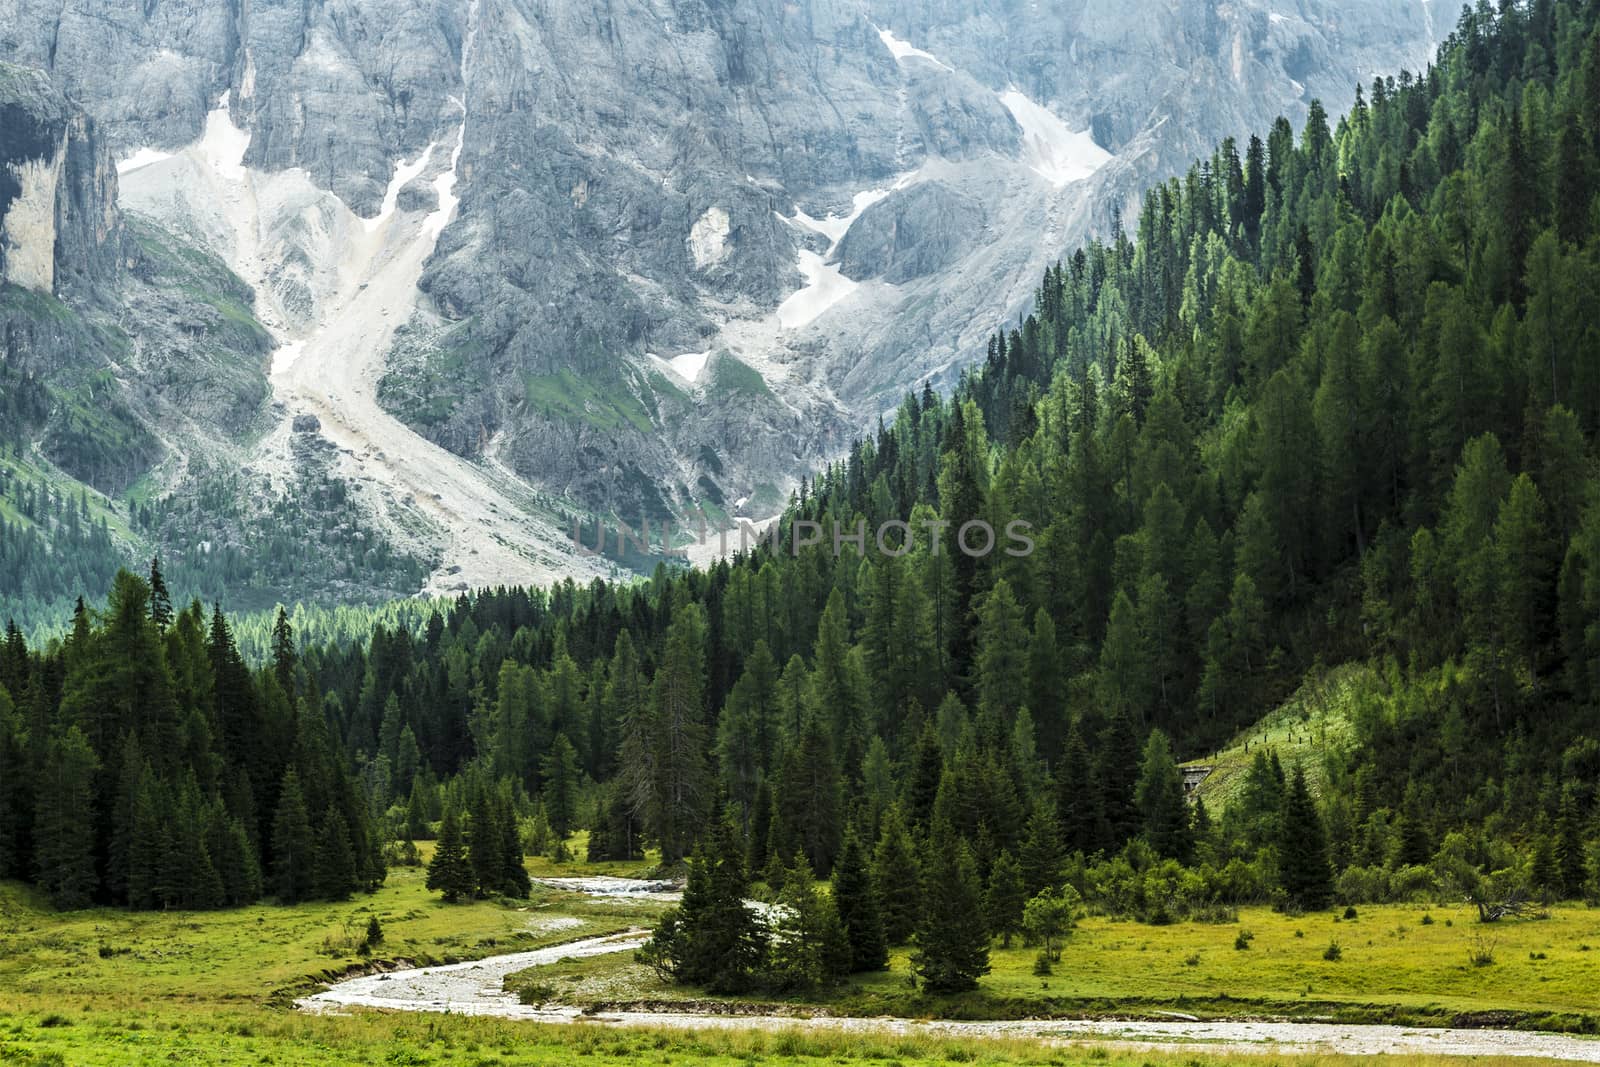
129,334
58,219
918,233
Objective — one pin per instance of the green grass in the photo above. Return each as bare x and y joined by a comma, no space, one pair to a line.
1392,968
138,1035
663,388
265,953
104,986
731,377
234,312
606,405
578,867
1314,720
14,298
38,470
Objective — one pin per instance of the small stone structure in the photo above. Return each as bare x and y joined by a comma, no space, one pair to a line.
1193,776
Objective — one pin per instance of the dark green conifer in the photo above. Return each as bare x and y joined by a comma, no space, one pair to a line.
857,902
952,940
336,866
294,847
1004,899
1303,849
897,879
1041,858
1160,797
63,820
450,872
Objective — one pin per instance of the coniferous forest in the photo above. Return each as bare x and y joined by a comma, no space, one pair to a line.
1330,402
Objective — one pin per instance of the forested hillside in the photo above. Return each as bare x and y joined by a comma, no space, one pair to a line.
1334,401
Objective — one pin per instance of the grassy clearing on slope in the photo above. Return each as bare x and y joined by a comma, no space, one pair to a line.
1393,966
1314,720
732,378
37,470
604,404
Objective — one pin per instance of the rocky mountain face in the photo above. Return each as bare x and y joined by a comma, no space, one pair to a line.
57,188
106,323
133,384
651,255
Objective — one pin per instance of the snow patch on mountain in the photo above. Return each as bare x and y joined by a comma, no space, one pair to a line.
223,145
1052,150
687,366
403,173
904,50
141,158
284,356
445,186
825,286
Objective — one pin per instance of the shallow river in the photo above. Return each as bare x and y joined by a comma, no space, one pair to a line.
475,989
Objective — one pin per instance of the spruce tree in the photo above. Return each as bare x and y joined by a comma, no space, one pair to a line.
63,820
416,827
1546,868
238,866
294,848
760,828
160,599
1416,848
807,794
560,774
336,866
1041,859
283,650
133,769
1303,849
450,872
1116,772
952,939
712,938
144,846
897,879
1571,859
927,770
514,875
857,903
1076,794
1159,794
13,775
809,944
1003,901
485,849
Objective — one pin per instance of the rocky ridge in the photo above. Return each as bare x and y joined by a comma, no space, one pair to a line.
690,249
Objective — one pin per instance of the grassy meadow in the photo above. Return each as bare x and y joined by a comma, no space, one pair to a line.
105,986
270,954
1408,964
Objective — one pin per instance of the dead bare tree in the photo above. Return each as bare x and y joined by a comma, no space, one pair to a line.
1491,911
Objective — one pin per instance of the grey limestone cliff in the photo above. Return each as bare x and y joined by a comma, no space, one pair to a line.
689,247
